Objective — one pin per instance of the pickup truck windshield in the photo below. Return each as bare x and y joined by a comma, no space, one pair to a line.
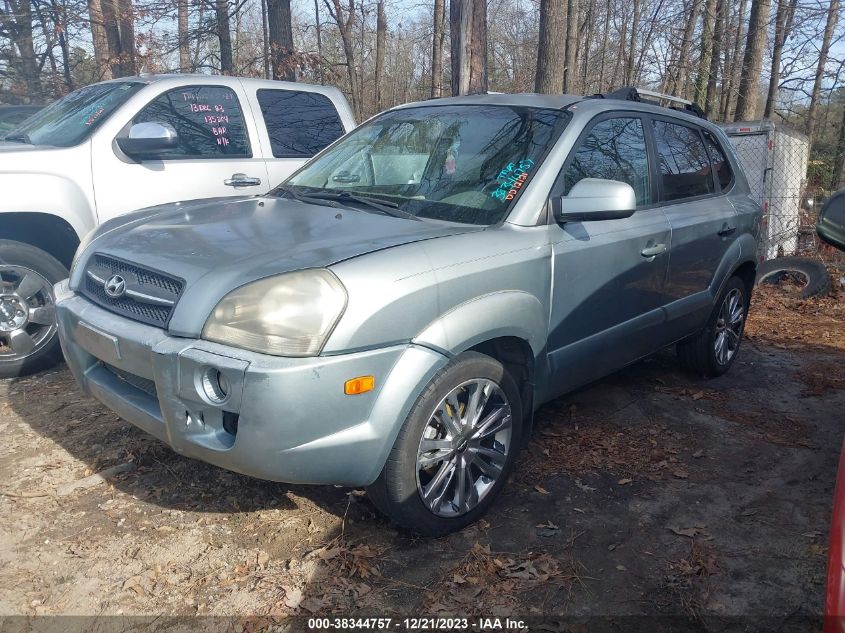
70,120
458,163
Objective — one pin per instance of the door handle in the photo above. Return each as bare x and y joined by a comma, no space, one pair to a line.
242,180
653,251
726,230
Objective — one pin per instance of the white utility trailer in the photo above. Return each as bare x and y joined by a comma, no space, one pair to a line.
774,158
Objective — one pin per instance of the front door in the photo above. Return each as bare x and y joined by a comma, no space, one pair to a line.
608,276
214,146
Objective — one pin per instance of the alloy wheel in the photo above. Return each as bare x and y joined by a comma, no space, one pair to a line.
27,313
729,327
464,447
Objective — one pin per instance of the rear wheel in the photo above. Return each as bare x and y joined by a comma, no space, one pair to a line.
28,332
712,351
455,449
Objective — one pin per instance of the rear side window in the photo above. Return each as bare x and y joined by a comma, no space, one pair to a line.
299,124
208,120
719,162
684,163
615,149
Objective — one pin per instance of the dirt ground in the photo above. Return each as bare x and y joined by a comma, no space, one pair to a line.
649,493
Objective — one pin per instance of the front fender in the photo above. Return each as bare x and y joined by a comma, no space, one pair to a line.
47,194
498,314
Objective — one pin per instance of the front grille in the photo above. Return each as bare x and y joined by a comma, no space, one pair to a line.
144,384
149,296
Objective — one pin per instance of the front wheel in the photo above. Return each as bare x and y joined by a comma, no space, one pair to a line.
712,351
28,332
455,449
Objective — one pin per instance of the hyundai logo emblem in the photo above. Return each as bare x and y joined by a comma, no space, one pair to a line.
115,286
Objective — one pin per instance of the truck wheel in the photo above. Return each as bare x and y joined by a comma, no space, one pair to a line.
28,338
811,274
455,450
713,350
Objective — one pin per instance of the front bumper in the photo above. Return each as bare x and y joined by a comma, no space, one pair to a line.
293,421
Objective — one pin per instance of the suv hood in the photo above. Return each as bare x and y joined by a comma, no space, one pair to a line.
219,245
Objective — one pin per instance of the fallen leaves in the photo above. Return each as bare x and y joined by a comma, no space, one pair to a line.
690,532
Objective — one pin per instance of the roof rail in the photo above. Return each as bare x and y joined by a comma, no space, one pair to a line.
655,98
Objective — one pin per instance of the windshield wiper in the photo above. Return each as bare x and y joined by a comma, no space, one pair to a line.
18,138
307,198
385,206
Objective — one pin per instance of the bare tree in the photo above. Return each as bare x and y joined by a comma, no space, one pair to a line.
99,38
783,22
569,66
381,37
439,38
830,26
710,100
224,34
344,19
551,47
752,62
468,26
182,35
16,21
707,20
732,70
282,55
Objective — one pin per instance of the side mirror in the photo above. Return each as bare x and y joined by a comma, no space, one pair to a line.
595,199
148,138
831,223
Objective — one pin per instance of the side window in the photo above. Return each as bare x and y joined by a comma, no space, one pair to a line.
719,162
615,149
684,164
299,124
208,120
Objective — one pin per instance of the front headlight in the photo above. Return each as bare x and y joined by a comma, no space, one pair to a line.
287,315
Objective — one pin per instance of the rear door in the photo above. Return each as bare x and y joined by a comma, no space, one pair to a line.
295,125
693,178
217,153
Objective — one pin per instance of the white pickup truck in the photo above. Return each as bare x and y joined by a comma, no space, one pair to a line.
122,145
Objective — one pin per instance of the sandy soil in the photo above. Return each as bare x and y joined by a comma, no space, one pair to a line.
648,493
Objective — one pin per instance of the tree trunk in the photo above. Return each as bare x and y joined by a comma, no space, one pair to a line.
551,47
99,38
838,176
586,36
570,72
221,9
60,20
345,21
381,37
468,26
112,27
632,48
182,33
282,57
437,48
23,39
679,75
319,39
706,55
126,17
710,101
736,56
608,8
752,61
830,27
783,22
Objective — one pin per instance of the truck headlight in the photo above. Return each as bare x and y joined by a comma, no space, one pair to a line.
287,315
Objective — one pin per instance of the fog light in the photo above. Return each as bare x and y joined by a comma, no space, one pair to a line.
215,385
361,384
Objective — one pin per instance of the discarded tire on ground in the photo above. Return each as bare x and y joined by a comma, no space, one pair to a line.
810,273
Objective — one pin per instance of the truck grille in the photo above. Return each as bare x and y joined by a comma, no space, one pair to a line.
138,293
144,384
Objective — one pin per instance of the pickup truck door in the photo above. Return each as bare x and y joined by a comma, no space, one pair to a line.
608,275
218,153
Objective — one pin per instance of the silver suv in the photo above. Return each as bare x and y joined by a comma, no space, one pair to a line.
392,314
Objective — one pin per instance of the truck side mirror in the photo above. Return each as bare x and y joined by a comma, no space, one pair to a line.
594,199
148,138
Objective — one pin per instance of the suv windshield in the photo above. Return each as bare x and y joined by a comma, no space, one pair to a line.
458,163
72,119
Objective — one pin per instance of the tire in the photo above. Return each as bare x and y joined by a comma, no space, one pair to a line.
699,353
398,492
817,279
28,333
